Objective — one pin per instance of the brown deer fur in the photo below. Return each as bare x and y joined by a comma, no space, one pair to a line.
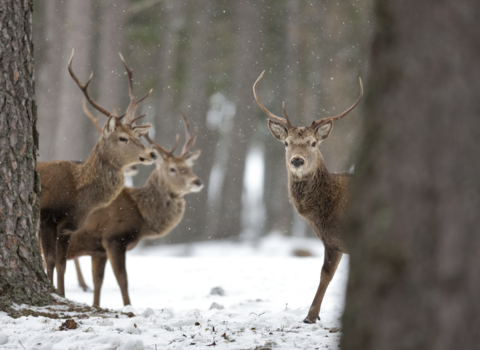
149,212
318,196
70,191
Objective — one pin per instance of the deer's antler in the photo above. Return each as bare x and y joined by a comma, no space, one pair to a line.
133,103
84,88
189,139
285,121
90,116
319,122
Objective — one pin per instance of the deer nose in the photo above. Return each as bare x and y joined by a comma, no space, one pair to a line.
154,156
198,182
297,162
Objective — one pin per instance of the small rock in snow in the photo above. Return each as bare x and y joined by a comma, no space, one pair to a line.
217,291
216,306
132,329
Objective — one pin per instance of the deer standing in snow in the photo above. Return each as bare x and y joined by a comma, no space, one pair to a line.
71,190
318,196
148,212
129,172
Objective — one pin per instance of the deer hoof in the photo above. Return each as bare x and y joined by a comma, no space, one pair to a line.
307,321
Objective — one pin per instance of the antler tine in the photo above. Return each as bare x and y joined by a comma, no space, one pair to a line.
90,115
133,103
189,139
84,88
137,118
286,115
325,120
156,145
272,116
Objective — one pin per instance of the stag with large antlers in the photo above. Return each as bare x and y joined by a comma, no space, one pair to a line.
71,190
148,212
318,196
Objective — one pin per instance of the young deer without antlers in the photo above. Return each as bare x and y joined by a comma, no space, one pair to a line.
318,196
70,190
148,212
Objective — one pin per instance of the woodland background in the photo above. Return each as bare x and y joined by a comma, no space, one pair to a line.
202,58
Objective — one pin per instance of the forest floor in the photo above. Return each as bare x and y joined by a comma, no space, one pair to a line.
176,303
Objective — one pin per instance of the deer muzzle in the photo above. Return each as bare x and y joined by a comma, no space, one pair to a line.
297,162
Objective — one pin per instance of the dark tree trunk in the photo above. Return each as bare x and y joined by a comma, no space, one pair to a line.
414,234
22,279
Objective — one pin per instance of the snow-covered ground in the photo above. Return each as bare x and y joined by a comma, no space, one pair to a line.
267,293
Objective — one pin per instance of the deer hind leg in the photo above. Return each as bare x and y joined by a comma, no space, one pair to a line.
330,264
48,238
98,272
116,253
81,281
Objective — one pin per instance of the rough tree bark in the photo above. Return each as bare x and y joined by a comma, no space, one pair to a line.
22,279
414,234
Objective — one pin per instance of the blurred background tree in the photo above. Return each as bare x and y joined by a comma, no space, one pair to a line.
202,58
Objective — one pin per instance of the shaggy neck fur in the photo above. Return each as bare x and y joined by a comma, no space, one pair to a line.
320,198
100,179
161,209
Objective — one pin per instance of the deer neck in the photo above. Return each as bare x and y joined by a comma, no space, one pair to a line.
161,208
313,193
99,179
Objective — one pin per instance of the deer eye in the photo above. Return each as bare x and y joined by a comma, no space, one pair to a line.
172,170
123,139
314,144
286,144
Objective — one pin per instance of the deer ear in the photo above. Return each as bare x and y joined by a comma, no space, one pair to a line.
141,130
322,132
109,126
278,130
192,158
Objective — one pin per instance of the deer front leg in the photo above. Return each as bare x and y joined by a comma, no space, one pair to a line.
98,273
116,254
64,232
330,264
81,281
61,261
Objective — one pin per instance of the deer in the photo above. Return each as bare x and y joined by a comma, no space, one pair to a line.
319,196
137,213
129,172
71,190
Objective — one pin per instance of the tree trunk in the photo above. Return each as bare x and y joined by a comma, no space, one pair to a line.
22,279
112,82
73,128
48,74
248,22
414,237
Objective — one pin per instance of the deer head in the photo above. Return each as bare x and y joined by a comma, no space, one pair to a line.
131,170
119,141
301,143
176,171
